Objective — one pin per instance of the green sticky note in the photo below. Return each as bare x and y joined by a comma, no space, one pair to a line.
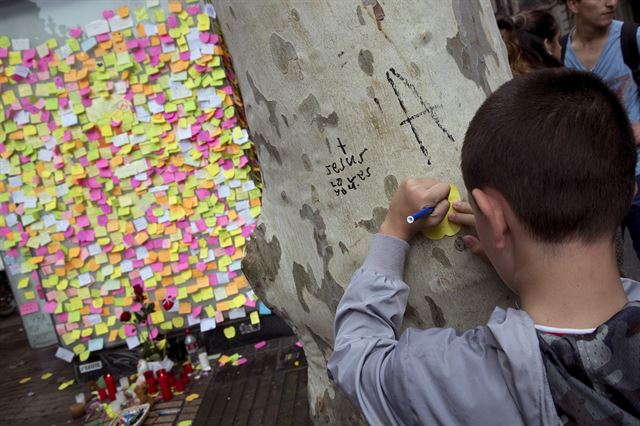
51,104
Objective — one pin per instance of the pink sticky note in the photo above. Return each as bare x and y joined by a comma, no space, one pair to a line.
154,332
29,308
172,21
196,310
82,221
204,37
108,14
193,10
75,32
130,330
3,52
50,306
260,345
241,361
172,291
299,344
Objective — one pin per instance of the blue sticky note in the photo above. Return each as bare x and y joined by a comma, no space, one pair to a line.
263,310
96,344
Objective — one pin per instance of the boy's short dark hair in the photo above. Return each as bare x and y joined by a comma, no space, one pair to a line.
558,146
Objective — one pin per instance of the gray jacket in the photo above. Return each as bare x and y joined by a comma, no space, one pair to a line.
490,375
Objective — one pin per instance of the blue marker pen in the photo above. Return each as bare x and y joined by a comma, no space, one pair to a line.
417,215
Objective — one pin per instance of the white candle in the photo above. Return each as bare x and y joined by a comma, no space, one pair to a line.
203,358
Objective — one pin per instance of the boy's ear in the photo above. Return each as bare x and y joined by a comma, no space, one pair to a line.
491,208
572,6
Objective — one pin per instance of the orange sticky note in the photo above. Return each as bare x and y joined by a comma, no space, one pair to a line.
123,11
175,7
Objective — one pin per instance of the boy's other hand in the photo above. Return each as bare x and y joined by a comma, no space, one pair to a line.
412,195
463,215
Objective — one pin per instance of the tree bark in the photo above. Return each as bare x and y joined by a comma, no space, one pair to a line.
344,100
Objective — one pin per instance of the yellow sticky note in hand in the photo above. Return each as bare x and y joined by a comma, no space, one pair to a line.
445,228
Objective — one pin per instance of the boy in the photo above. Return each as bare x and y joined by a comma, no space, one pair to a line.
594,45
542,159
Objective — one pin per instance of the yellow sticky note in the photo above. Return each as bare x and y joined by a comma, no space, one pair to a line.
157,317
192,397
25,380
255,317
66,384
23,283
178,322
45,376
230,332
101,328
446,228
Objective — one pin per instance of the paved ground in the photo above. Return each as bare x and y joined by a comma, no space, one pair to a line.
269,386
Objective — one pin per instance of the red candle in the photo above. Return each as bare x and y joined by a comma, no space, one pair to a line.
184,377
152,387
180,385
165,389
187,368
111,386
148,374
102,394
172,379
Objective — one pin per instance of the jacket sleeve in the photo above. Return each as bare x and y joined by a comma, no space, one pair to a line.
421,377
366,328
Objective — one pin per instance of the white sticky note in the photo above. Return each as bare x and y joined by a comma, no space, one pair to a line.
97,27
133,342
153,3
88,44
132,169
43,50
20,43
69,119
207,324
64,354
118,24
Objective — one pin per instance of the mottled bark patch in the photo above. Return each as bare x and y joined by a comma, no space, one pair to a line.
437,316
439,255
365,61
310,109
271,105
284,55
390,186
262,142
360,17
261,263
470,45
306,163
372,225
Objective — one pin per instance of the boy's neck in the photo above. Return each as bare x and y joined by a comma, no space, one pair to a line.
587,34
577,286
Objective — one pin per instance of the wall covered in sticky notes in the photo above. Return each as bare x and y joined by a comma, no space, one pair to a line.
124,162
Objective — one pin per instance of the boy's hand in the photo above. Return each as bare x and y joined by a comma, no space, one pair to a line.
413,195
463,215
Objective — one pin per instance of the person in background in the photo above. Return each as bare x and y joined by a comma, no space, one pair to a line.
532,39
594,45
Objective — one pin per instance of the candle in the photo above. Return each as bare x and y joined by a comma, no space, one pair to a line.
180,385
124,382
187,368
102,394
203,359
165,388
152,387
184,377
111,386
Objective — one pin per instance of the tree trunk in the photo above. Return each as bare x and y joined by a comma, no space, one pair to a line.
344,100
